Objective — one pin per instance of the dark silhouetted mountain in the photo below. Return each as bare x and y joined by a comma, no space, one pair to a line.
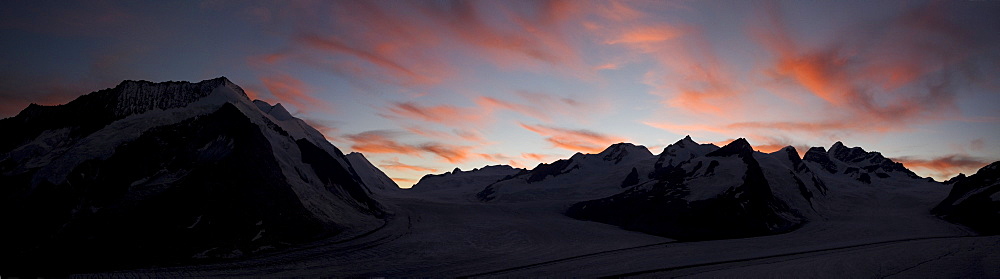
467,183
682,150
857,163
955,179
975,201
582,175
722,193
169,172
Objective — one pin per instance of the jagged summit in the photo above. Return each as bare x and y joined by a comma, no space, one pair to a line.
850,154
856,162
277,111
790,149
620,151
685,141
739,146
682,150
955,179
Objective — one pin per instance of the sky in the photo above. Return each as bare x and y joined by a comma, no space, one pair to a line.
427,86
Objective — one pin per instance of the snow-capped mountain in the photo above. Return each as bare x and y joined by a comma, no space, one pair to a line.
580,176
975,200
857,163
725,193
459,184
163,172
371,176
682,150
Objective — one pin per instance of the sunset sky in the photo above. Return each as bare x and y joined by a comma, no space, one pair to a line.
426,86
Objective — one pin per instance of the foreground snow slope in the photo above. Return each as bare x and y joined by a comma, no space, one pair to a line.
430,237
858,230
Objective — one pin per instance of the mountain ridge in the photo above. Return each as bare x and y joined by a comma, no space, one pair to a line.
191,170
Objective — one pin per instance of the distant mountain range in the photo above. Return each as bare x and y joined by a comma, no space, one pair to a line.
176,172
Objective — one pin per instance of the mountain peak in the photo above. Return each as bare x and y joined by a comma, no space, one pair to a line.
277,111
739,146
138,96
850,154
619,151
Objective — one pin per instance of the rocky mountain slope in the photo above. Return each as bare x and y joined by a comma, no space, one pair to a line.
975,200
169,172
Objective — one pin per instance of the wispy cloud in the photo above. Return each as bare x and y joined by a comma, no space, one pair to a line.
441,114
575,140
944,166
394,164
289,90
383,141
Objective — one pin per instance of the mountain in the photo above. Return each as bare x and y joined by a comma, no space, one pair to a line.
725,193
169,172
975,200
857,163
371,176
954,179
463,184
580,176
682,150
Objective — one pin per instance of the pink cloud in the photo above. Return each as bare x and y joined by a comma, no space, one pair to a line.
872,87
394,164
945,166
442,114
290,90
574,140
381,141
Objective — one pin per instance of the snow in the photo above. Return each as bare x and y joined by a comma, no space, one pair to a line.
589,176
860,230
147,105
436,238
371,176
462,185
728,175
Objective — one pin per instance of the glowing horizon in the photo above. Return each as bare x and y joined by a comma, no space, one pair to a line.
426,86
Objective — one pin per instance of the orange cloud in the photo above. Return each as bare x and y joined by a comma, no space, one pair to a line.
574,140
535,156
495,157
290,90
325,128
451,153
455,135
873,87
470,135
647,34
944,167
443,114
396,165
540,106
335,45
251,93
403,181
690,129
381,141
490,104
